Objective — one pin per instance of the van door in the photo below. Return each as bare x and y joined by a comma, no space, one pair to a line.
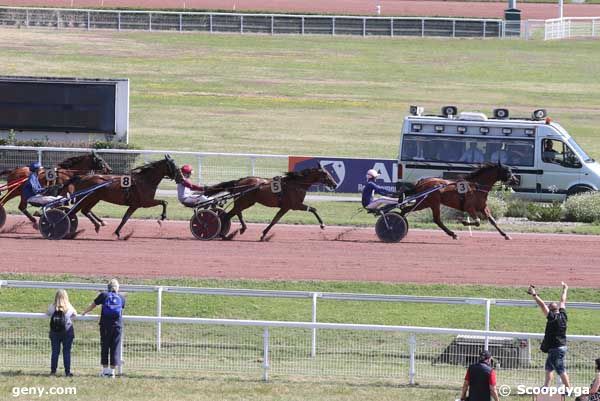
561,169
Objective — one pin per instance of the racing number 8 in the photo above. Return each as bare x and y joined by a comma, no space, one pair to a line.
462,187
126,181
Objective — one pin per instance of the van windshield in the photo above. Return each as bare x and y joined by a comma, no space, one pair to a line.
445,149
584,156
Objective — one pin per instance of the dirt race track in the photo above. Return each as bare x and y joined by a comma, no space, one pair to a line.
306,253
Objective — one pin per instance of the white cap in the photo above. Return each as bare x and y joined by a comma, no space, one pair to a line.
372,173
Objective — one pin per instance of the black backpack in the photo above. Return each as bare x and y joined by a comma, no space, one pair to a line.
58,322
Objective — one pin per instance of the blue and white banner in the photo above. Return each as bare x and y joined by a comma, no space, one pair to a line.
350,174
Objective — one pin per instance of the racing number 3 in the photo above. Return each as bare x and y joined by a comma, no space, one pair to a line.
462,187
126,181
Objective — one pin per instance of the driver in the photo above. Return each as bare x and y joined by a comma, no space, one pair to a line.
372,188
33,191
185,188
549,154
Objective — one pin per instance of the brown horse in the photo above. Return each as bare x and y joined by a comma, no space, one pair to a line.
287,193
67,169
143,183
468,194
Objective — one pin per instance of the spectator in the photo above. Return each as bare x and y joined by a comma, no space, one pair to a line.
472,155
61,331
111,326
555,336
480,380
594,394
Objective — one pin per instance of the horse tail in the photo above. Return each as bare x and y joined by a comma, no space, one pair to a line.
229,186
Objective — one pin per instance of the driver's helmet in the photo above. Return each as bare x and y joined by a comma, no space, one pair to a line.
186,169
372,173
35,166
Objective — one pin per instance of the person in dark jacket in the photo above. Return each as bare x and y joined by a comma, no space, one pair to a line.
111,327
33,191
372,188
555,336
61,331
480,380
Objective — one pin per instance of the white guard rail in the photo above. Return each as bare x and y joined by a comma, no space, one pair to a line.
400,353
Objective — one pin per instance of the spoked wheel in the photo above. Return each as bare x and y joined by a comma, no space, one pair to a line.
225,222
54,224
395,229
2,216
205,225
73,220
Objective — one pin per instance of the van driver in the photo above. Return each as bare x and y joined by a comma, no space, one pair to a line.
549,154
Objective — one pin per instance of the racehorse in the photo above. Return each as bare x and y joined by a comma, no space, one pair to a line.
287,193
67,169
468,194
140,193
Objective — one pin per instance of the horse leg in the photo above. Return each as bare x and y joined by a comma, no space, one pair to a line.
491,219
277,217
23,209
126,217
435,210
163,215
313,211
98,219
476,221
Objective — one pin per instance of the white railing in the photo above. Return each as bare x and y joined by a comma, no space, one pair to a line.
212,22
314,296
405,354
211,167
573,27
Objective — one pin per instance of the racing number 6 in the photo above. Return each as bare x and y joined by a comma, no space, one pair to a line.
125,181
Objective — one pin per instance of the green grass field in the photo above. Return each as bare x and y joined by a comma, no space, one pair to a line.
313,95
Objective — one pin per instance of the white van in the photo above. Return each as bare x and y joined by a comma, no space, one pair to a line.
548,162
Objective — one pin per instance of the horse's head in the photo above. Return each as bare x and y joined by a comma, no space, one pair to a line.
506,175
172,171
99,164
326,179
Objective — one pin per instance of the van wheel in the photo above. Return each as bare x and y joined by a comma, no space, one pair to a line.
578,189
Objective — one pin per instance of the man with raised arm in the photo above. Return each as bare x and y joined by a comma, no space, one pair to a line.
555,336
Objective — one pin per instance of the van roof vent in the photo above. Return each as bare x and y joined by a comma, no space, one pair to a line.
467,115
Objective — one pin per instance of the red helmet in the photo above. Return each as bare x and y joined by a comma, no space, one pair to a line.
186,169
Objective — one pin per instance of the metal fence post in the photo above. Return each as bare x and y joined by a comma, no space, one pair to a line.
412,349
119,21
120,367
57,19
453,28
422,28
150,22
241,24
391,27
364,27
180,22
266,354
158,314
252,166
88,21
333,26
272,24
210,23
27,17
199,170
488,303
313,351
302,30
39,152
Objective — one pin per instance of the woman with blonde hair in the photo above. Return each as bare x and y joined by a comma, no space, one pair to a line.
61,330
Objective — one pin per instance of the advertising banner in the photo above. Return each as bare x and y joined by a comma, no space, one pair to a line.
349,174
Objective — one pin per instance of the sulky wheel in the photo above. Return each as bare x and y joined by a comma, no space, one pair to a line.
395,229
2,216
225,222
54,224
205,224
73,220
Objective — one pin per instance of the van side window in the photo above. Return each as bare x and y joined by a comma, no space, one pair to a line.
558,152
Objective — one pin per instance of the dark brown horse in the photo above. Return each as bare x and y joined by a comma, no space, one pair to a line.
143,183
286,193
67,169
468,194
